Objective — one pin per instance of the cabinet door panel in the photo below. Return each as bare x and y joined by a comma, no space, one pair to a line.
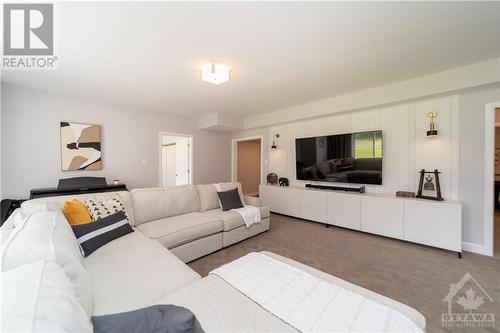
289,201
435,224
344,210
313,205
269,198
383,216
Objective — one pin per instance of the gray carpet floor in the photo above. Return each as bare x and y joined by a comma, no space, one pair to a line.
415,275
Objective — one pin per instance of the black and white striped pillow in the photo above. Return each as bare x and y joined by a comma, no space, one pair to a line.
92,236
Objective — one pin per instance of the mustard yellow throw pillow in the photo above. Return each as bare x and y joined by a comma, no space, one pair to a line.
76,213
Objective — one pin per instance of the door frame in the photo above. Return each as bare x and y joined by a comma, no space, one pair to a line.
489,178
234,156
191,154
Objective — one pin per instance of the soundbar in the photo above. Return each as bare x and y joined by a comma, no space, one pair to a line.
360,189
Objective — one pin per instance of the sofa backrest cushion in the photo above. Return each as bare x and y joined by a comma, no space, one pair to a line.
208,197
124,197
152,204
48,236
39,297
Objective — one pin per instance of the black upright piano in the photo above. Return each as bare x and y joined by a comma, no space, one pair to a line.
77,185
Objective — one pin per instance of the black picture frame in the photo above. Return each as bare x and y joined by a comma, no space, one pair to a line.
427,176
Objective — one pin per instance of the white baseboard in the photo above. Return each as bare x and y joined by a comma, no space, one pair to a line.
476,248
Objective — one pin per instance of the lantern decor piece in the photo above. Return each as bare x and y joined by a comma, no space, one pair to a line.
429,186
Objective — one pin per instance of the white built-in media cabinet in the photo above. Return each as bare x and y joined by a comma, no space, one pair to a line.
432,223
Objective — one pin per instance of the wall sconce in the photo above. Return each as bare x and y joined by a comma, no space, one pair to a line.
275,136
432,128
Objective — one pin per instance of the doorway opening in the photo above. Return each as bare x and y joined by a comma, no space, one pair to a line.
176,159
491,212
247,164
496,223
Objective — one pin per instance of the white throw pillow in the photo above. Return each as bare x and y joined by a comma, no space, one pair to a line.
99,209
48,236
40,298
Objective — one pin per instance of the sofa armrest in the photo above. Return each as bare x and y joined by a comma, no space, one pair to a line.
253,201
9,222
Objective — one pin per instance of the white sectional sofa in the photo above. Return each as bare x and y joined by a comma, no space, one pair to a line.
186,219
146,267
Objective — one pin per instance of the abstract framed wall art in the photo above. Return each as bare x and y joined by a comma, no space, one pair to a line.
80,147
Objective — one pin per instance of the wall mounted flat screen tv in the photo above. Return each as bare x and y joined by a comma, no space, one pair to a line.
346,158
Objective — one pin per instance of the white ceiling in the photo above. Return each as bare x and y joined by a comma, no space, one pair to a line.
145,55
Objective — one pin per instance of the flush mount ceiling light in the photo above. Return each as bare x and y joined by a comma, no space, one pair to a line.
215,73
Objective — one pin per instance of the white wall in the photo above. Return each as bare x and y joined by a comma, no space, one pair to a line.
471,160
457,151
447,82
130,142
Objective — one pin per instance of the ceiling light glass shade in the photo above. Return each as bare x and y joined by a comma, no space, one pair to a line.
214,73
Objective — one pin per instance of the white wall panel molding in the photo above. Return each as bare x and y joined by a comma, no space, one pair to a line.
406,147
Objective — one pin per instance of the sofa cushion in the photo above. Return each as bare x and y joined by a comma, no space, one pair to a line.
133,272
124,196
157,203
233,220
221,308
48,236
39,297
178,230
208,197
5,232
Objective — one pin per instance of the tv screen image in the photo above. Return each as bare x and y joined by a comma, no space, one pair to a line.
346,158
